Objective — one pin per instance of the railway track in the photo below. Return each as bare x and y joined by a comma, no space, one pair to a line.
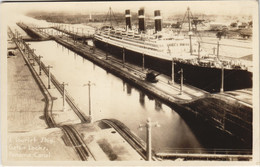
47,96
56,83
74,137
142,74
77,142
132,139
70,100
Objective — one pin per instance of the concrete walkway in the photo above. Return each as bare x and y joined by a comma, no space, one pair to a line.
164,85
25,101
28,139
105,144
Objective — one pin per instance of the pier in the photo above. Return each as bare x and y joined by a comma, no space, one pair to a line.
226,111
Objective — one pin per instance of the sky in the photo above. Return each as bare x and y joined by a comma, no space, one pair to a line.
244,7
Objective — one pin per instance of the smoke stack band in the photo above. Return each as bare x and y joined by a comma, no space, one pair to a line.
157,20
141,20
128,19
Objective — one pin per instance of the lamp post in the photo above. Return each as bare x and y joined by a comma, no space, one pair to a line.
64,96
27,50
123,57
143,63
222,79
181,84
91,115
199,50
40,63
32,52
149,124
218,50
49,76
172,70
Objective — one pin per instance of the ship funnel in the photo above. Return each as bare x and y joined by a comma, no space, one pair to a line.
128,19
158,20
141,20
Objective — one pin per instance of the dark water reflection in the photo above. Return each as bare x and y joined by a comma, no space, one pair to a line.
114,98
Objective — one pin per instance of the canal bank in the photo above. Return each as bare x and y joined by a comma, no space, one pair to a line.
26,120
74,45
84,69
57,119
24,97
218,116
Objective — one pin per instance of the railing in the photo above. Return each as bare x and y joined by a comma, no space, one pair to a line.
205,151
49,101
73,34
57,84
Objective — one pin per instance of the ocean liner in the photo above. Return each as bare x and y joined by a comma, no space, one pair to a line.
168,53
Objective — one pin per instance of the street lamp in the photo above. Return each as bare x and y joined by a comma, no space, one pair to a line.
64,96
149,124
181,84
143,63
123,57
49,76
218,49
40,69
199,50
172,70
27,50
33,56
222,79
91,117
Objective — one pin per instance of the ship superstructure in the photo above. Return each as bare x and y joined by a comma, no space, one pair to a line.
160,49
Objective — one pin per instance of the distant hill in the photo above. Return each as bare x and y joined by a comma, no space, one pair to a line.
248,57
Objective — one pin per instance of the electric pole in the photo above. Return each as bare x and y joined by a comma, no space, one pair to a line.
149,124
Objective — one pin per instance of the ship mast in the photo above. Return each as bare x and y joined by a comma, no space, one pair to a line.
111,14
90,16
188,15
190,32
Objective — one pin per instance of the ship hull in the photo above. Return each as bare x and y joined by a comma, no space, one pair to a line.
206,78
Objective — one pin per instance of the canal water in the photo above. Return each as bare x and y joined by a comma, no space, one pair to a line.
112,97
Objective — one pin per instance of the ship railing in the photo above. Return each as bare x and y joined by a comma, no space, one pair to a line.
134,43
206,151
227,63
